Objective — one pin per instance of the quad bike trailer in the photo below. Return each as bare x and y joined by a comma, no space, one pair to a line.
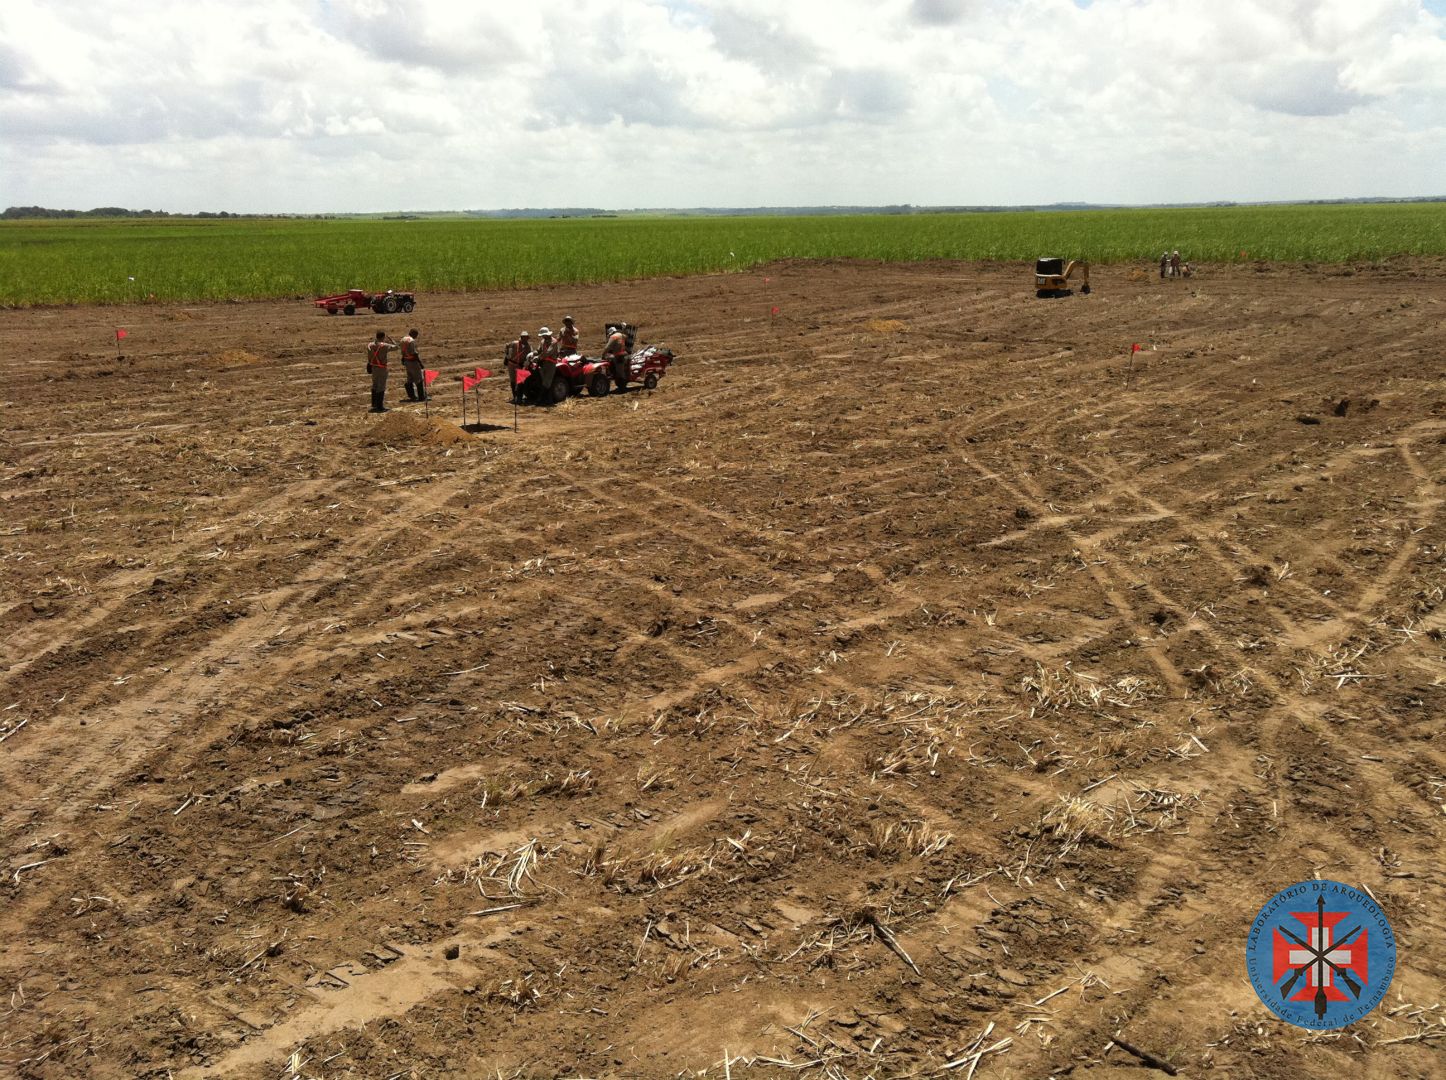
1051,277
349,302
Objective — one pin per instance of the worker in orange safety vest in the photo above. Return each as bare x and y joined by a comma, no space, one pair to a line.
515,357
377,352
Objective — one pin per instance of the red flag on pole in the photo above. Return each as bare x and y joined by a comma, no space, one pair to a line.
468,382
522,375
483,373
1135,348
119,333
775,311
429,376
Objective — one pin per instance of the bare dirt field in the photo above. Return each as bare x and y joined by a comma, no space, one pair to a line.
894,691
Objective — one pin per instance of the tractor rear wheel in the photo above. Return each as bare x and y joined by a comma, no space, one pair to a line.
598,385
650,381
350,309
389,305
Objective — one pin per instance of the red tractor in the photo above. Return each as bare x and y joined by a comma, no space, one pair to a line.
387,303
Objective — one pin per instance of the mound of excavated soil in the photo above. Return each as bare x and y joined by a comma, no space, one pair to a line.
235,357
401,428
886,326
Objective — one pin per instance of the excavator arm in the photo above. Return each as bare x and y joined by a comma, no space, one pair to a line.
1052,276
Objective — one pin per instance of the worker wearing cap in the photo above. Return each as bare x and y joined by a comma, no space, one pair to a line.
1175,263
567,338
377,352
1164,263
515,357
412,361
616,353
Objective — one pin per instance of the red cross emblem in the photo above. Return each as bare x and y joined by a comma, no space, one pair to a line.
1318,959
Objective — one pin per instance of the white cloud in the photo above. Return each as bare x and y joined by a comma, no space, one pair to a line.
290,105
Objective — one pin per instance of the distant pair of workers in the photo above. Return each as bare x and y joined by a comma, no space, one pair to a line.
1171,266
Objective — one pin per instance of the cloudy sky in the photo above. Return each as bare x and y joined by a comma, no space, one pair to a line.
316,105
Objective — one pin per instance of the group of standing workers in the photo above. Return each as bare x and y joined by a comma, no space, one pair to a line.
540,360
377,354
520,355
1171,266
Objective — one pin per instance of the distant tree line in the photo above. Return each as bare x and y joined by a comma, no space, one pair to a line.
18,212
99,211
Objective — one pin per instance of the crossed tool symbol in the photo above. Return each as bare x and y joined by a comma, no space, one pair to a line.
1320,960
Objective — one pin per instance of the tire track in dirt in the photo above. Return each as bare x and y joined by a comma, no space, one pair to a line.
72,779
1106,579
1203,531
1427,507
120,588
905,600
1287,701
124,741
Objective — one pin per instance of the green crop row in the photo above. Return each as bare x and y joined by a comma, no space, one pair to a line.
88,261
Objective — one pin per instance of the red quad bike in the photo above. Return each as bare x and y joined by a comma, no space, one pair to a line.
349,302
576,373
598,375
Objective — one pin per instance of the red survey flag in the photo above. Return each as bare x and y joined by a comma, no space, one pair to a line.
1134,348
775,311
468,382
483,373
523,374
429,376
119,333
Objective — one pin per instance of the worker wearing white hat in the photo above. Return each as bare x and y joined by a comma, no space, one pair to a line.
546,362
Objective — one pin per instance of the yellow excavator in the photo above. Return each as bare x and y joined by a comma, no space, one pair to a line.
1052,276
